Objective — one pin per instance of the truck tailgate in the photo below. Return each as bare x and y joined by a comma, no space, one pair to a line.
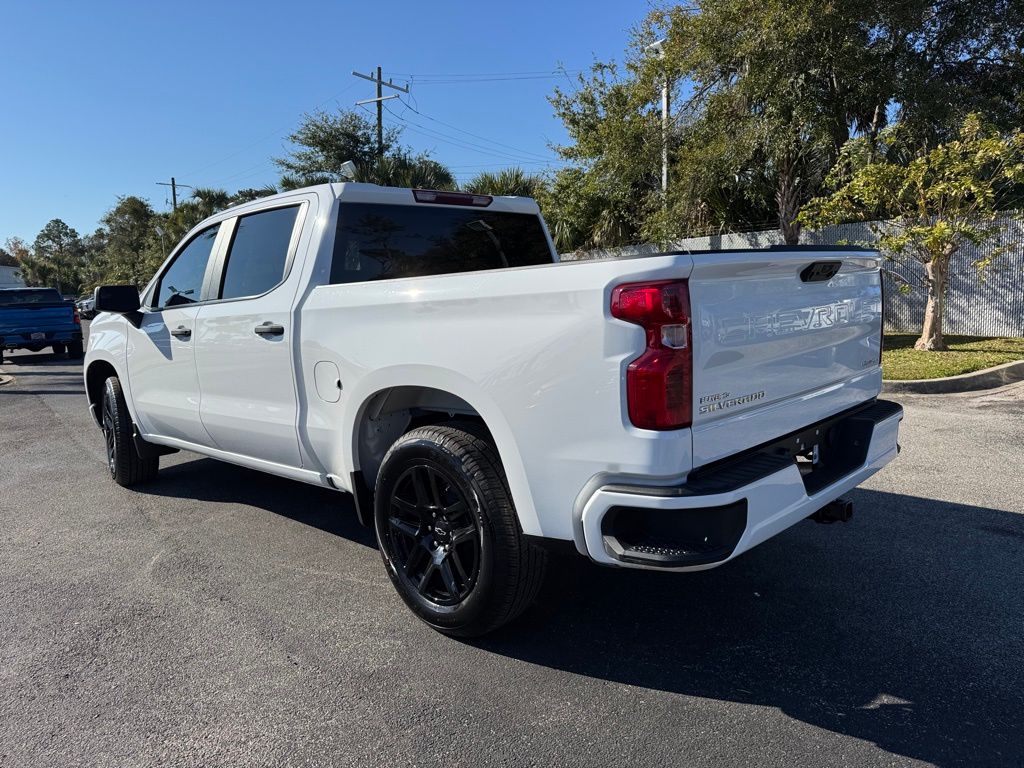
31,318
779,343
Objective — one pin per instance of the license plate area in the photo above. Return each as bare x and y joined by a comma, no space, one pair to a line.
37,336
827,451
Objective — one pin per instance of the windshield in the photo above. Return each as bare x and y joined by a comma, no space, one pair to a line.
30,296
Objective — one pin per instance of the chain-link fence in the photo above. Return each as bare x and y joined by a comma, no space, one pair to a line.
987,304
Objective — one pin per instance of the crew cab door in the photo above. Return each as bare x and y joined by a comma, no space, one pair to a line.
245,338
161,345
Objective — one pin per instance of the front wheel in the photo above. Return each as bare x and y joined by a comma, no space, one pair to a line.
126,466
449,535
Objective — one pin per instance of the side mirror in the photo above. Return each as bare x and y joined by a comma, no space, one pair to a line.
121,299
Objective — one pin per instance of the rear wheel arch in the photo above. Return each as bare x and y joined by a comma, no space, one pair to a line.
389,413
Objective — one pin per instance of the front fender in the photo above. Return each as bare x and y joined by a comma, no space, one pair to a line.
108,344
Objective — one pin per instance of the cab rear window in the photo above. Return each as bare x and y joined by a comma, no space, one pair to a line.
39,296
384,242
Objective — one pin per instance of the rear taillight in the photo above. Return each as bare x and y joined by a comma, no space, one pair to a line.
78,317
659,383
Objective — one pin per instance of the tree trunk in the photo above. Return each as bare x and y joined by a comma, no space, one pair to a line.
787,196
937,271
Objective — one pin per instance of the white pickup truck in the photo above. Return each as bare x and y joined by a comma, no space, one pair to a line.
426,352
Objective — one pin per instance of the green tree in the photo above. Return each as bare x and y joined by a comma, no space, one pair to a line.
249,194
509,181
6,259
614,179
94,247
129,252
942,199
210,201
324,141
400,169
56,259
21,254
767,93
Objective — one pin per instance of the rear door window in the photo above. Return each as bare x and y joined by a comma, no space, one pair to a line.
382,242
182,282
258,254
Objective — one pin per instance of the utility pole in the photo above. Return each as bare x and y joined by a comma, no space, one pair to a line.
664,135
174,191
380,115
380,99
658,49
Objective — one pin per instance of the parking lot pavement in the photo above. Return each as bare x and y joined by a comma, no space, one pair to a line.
224,617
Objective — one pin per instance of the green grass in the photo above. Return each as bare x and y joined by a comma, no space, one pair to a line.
966,354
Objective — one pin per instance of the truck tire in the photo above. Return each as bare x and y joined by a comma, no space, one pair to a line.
59,349
448,532
126,466
75,350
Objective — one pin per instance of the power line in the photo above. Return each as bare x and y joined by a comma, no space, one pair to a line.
474,135
556,71
433,133
511,164
454,78
463,81
461,144
246,172
273,134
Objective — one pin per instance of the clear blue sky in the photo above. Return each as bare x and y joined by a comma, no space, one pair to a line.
106,98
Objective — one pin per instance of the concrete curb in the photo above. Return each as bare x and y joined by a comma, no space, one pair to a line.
990,378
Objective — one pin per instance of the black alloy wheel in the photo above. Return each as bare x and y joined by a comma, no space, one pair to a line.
434,538
109,435
448,531
126,466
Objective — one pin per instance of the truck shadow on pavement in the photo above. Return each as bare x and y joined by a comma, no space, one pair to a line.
211,480
904,627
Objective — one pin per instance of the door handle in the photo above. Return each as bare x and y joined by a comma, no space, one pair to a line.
181,332
269,329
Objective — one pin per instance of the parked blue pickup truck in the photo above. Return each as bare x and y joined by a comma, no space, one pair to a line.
36,318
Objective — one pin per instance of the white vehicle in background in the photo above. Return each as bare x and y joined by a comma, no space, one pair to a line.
426,352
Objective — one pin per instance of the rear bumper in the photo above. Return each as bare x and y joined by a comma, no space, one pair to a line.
734,505
21,339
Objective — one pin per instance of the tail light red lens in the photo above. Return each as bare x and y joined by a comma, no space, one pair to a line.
659,383
78,317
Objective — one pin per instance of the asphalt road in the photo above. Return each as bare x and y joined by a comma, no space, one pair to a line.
224,617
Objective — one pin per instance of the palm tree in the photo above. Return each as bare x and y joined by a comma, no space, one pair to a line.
510,181
209,200
403,171
249,194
